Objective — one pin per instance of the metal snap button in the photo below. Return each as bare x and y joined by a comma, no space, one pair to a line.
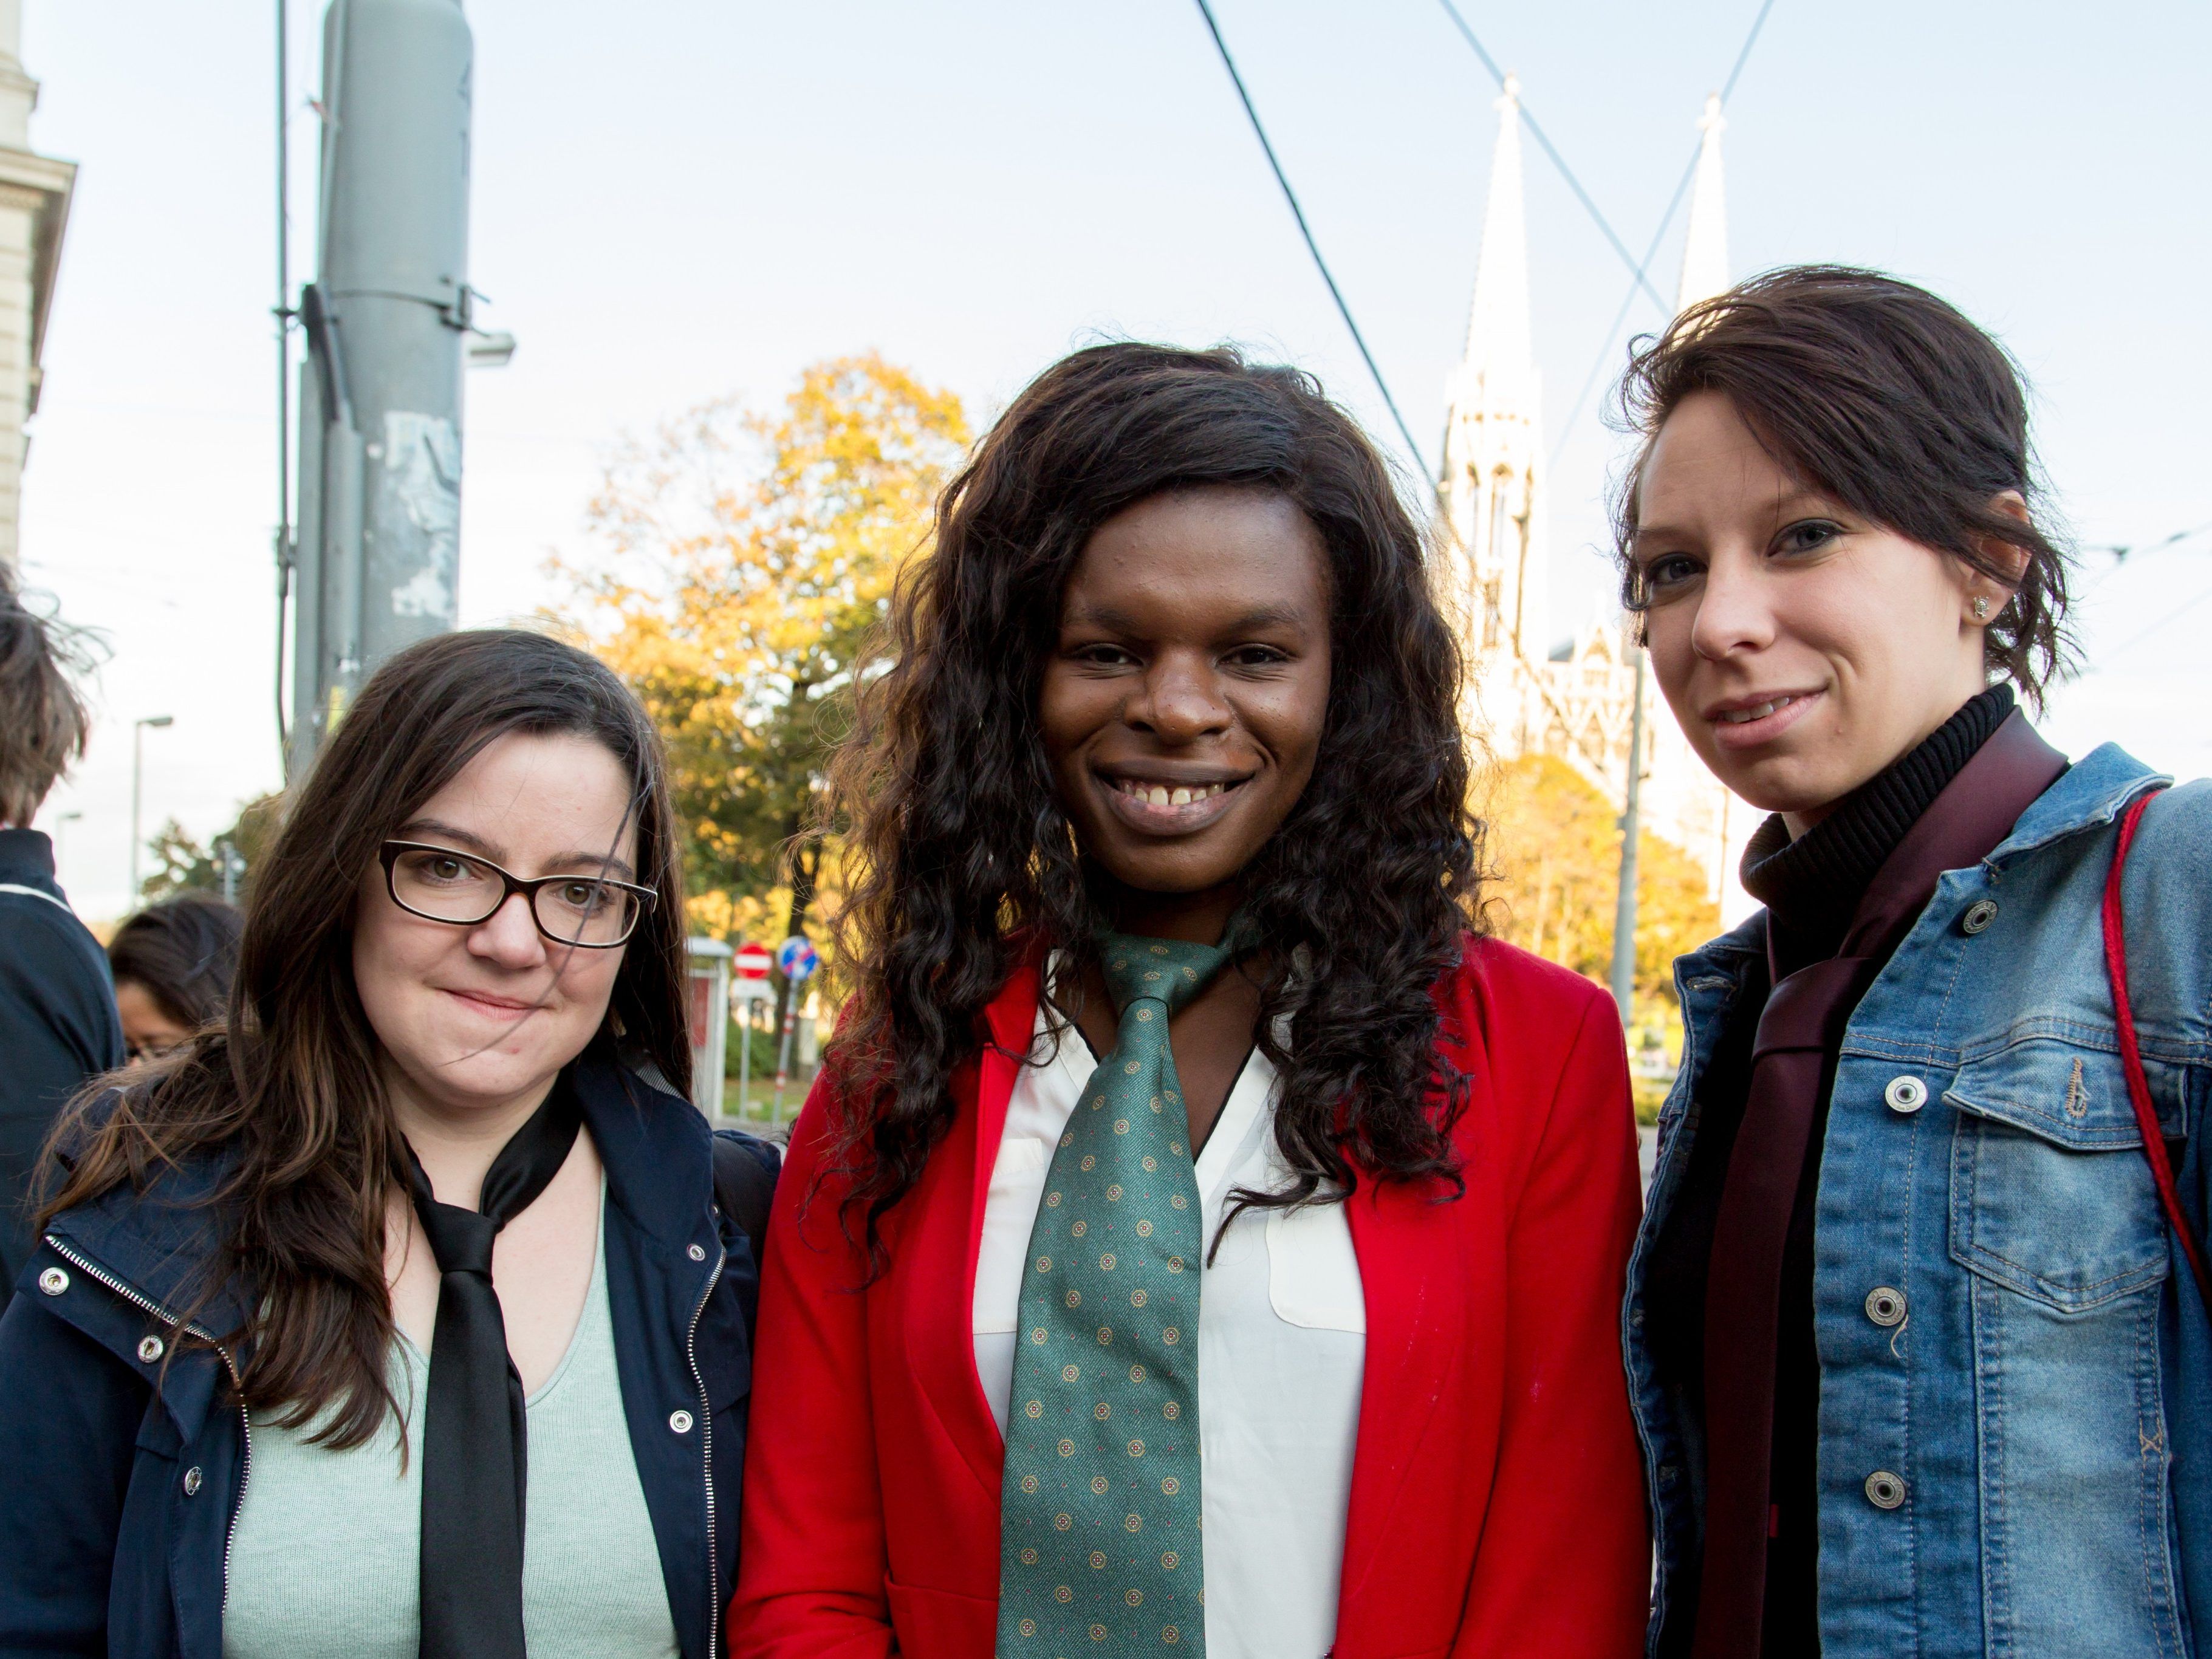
680,1422
1884,1490
149,1350
192,1481
1979,915
1886,1306
1906,1094
697,1252
53,1281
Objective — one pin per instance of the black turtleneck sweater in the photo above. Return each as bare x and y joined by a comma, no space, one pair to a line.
1811,886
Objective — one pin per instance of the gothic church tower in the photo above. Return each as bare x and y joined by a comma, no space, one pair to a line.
1492,495
1578,705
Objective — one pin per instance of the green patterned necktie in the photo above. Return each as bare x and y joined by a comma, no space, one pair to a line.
1098,1539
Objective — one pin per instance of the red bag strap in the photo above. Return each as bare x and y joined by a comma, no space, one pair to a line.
2153,1139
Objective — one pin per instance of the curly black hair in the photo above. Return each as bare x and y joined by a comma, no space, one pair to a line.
961,860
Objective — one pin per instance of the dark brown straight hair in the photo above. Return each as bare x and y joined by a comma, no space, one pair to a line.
183,952
1888,400
290,1093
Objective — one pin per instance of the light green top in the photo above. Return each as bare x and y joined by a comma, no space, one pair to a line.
325,1555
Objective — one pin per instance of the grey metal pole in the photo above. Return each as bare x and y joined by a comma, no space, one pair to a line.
1623,911
283,366
380,476
783,1050
745,1061
137,771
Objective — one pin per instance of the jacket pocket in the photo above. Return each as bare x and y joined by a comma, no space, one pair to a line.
2051,1196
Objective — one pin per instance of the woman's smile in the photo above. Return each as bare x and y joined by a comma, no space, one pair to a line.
1159,803
491,1005
1758,718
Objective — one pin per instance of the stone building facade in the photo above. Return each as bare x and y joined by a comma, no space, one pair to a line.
34,202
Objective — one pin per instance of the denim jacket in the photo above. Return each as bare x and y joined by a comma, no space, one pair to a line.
2015,1418
121,1480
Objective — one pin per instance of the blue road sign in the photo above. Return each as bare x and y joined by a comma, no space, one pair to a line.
796,957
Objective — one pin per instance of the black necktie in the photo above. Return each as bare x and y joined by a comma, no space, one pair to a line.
475,1452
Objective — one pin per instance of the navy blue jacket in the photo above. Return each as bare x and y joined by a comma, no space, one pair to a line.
58,1027
117,1499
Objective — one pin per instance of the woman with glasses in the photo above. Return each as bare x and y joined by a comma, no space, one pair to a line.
172,964
409,1313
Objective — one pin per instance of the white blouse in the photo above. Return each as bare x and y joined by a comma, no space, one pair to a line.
1282,1341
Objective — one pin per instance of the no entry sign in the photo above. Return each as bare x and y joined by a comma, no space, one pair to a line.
752,961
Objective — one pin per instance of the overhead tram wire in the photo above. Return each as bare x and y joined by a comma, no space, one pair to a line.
1627,299
1544,142
2106,660
1674,205
2122,551
1259,131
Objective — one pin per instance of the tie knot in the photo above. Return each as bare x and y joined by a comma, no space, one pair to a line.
1164,970
460,1239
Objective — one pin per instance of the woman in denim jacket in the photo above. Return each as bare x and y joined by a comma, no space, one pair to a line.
1913,1368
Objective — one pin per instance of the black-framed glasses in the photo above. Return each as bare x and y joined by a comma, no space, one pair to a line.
440,884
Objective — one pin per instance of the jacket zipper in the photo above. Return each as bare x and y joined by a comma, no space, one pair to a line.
245,1421
707,1450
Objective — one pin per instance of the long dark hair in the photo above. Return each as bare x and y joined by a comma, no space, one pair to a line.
184,950
1884,397
291,1091
963,860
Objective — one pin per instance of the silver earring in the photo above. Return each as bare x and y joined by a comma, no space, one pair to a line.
1981,608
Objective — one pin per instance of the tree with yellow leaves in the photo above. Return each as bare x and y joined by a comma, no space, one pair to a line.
1555,843
747,559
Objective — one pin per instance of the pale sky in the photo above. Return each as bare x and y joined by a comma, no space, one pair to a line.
674,200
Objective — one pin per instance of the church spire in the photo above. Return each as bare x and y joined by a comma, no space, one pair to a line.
1492,495
1499,344
1705,251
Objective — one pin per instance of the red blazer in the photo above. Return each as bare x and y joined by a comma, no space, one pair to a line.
1496,1501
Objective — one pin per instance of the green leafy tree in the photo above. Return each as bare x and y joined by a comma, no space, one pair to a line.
745,560
181,865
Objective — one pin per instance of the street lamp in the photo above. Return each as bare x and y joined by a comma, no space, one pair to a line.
137,768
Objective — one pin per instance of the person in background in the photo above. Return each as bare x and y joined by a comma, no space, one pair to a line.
225,1425
58,1017
172,964
1201,1238
1920,1362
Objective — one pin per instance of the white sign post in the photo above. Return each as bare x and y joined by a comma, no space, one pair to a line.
710,1021
750,986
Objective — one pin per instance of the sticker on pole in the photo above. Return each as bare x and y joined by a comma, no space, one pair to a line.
752,961
796,957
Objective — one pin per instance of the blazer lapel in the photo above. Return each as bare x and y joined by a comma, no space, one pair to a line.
942,1281
1416,1274
1416,1315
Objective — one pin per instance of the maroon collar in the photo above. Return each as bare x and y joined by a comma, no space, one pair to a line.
1961,827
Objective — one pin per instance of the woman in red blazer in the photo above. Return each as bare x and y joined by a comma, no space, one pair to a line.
1201,1239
